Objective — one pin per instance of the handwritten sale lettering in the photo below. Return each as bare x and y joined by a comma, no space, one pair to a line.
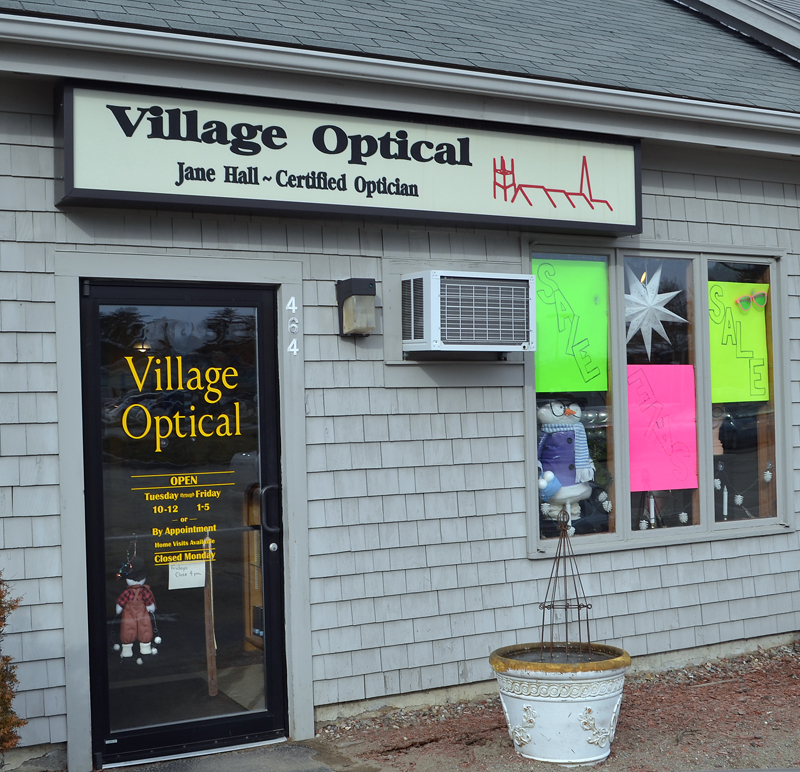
739,352
662,427
572,325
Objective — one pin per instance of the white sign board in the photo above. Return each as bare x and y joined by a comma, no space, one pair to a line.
184,575
159,149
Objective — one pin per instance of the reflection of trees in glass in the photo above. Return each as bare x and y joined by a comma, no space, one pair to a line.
231,326
231,342
738,272
170,336
121,327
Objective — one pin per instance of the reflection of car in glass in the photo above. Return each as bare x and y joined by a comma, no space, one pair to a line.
739,427
246,464
160,403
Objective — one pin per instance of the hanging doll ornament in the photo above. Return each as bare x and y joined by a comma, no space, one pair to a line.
136,604
564,462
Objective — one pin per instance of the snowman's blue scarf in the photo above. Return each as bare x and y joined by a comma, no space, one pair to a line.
584,466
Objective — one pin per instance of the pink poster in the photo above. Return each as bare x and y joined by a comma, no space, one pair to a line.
662,424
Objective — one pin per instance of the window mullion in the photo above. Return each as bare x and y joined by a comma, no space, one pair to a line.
705,452
619,374
781,358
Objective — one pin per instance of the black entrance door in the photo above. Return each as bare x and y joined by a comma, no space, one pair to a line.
183,518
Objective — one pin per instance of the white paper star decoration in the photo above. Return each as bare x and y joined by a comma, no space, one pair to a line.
738,499
644,307
767,476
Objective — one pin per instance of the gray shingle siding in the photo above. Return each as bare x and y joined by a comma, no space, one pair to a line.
418,566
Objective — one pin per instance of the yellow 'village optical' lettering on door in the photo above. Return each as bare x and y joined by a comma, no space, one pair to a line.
169,378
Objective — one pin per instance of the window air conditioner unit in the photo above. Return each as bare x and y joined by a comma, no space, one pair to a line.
460,311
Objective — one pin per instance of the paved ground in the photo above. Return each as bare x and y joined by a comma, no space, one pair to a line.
283,757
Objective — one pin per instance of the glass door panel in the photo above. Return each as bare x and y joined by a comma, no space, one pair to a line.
184,503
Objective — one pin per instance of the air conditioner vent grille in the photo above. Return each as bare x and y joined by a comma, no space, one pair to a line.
413,309
419,309
484,310
408,322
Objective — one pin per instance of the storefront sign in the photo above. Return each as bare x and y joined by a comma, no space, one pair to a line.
739,351
164,150
662,427
184,576
572,324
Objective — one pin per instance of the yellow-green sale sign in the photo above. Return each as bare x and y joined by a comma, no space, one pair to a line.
739,354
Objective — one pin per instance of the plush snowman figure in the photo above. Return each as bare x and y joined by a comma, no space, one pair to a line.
566,468
136,604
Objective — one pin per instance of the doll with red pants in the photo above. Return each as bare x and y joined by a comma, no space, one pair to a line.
136,604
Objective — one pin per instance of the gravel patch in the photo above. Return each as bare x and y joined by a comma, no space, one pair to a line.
736,713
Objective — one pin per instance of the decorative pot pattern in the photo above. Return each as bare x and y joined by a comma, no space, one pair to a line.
518,733
600,737
561,713
558,692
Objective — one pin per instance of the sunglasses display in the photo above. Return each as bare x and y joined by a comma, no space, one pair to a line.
746,302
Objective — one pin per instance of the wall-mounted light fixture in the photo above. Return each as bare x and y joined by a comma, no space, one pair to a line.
356,299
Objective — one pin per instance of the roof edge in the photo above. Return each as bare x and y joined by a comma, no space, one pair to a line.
767,25
179,47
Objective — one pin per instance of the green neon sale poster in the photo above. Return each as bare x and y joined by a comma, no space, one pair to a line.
571,324
739,354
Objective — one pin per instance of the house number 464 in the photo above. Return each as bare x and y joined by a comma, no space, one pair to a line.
293,325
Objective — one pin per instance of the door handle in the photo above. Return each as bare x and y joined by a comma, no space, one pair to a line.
263,506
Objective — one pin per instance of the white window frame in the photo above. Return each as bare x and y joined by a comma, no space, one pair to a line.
707,529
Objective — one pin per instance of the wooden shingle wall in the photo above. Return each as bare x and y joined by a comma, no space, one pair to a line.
416,494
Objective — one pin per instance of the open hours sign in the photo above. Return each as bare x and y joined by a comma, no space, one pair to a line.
186,534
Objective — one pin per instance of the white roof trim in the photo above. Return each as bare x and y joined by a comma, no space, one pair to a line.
765,23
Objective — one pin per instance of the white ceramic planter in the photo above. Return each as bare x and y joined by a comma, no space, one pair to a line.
565,713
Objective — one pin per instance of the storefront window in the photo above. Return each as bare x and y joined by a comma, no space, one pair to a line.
662,414
742,391
574,405
697,427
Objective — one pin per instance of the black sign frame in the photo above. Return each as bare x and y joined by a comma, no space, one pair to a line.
67,194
